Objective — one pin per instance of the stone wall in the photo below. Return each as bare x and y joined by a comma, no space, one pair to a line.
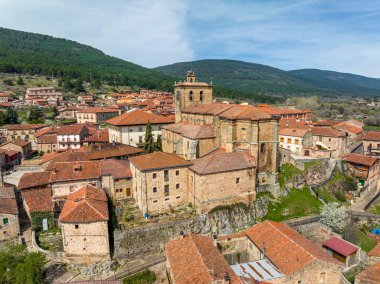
150,239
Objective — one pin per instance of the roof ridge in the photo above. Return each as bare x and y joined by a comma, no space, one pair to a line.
309,253
97,211
198,252
209,162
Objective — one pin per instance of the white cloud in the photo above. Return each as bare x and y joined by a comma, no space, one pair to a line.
149,33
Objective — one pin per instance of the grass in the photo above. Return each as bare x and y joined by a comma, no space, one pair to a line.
143,277
371,128
287,172
312,164
298,203
264,194
359,238
375,207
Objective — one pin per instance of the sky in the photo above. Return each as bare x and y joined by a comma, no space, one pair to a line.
339,35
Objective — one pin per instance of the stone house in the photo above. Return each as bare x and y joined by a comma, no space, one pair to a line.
47,140
68,112
160,181
84,224
71,136
42,93
129,128
371,143
9,216
23,132
24,147
194,258
327,143
101,136
297,259
295,140
96,115
235,127
10,158
343,251
222,179
354,133
365,168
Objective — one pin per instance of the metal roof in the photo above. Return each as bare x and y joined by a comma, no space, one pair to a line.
260,270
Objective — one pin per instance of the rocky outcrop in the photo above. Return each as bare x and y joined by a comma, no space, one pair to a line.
149,239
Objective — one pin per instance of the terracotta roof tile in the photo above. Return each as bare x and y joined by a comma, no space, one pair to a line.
326,122
139,117
288,250
74,129
8,204
192,131
66,171
293,123
282,111
375,251
327,131
38,199
370,275
24,126
98,110
158,160
293,132
194,258
37,179
116,168
372,136
67,156
87,204
347,126
47,139
223,162
360,159
105,151
101,136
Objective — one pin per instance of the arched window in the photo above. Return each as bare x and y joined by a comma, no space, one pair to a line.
191,96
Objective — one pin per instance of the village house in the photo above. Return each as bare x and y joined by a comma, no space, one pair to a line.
9,216
22,131
9,158
129,128
293,258
47,139
100,136
32,95
295,140
71,136
68,112
23,147
220,178
345,252
86,99
235,127
327,143
365,168
354,133
371,275
107,151
84,224
4,98
96,115
371,143
193,258
287,113
160,181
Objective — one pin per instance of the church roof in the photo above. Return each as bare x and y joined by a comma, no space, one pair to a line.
191,131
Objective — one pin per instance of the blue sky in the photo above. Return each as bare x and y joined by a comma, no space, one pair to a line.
340,35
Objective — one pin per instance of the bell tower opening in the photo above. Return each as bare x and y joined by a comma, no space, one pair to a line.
190,77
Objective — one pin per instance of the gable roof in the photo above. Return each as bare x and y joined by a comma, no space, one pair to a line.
288,250
87,204
107,150
223,162
101,135
66,171
139,117
38,199
35,179
73,129
116,168
158,160
340,246
372,136
8,204
191,131
327,132
97,110
360,159
194,258
293,132
349,127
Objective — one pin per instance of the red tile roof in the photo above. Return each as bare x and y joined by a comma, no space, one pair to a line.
194,259
191,131
139,117
282,111
375,251
100,136
288,250
326,122
87,204
37,179
24,126
8,204
116,168
370,275
38,199
47,139
293,123
98,110
104,151
158,160
223,162
327,132
372,136
360,159
349,127
74,129
340,246
78,170
293,132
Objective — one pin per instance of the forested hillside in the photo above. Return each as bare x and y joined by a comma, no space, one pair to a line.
256,78
30,53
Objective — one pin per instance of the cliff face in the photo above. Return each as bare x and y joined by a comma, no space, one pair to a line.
152,238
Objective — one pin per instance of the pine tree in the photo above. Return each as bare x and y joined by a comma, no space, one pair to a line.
158,144
149,144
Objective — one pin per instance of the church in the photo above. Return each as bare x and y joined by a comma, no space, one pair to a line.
203,126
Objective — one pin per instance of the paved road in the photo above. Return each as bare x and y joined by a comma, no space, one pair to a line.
365,199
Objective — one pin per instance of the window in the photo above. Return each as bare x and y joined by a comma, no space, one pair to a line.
140,129
296,141
262,148
166,199
177,197
177,186
177,172
166,175
130,130
166,190
154,189
329,139
322,277
237,180
76,226
201,96
140,139
299,282
289,140
5,221
154,176
155,201
191,96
